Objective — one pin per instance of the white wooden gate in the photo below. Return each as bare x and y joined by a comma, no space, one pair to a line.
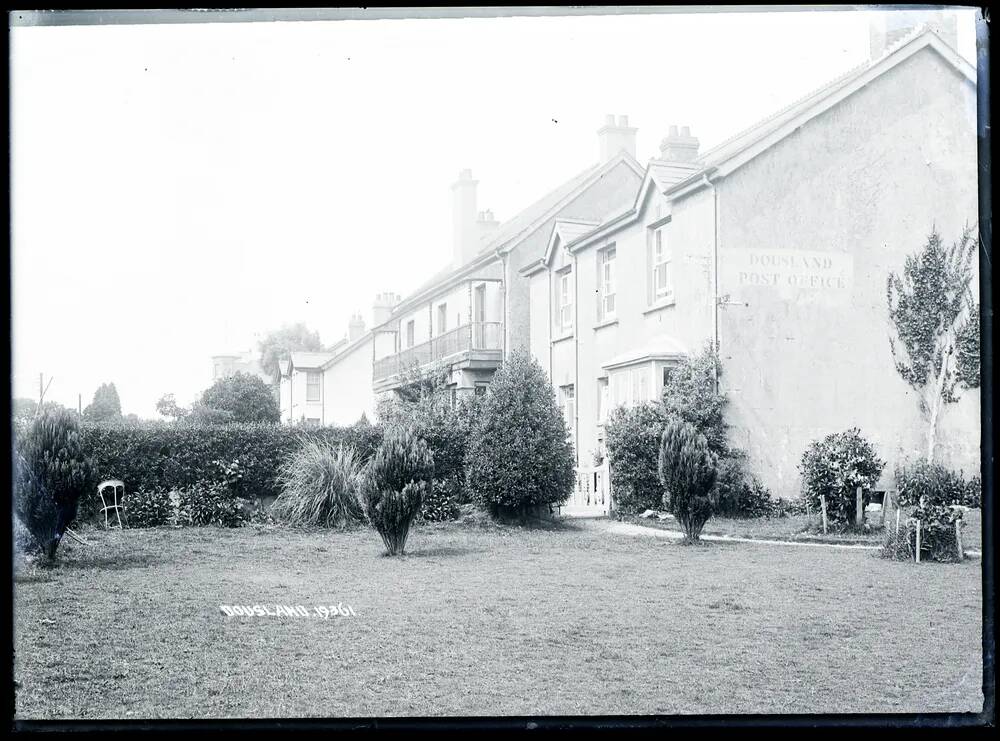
591,495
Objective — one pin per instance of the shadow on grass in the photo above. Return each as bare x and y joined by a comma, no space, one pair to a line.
439,551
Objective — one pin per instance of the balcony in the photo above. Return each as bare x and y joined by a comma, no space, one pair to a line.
478,343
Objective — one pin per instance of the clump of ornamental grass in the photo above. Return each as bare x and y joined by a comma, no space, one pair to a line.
393,488
319,486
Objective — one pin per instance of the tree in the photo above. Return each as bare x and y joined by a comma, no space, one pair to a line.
246,397
519,454
690,394
688,470
934,325
105,406
278,343
168,407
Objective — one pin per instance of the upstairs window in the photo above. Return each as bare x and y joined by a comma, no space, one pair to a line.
662,272
606,282
313,379
442,319
565,297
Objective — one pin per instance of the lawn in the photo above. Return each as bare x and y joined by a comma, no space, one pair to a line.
564,621
804,528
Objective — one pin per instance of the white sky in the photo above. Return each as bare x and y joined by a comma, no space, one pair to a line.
177,190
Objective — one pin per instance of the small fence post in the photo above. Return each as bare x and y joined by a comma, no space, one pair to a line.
859,512
958,539
897,520
822,504
917,554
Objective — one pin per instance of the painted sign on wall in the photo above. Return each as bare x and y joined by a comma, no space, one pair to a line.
805,276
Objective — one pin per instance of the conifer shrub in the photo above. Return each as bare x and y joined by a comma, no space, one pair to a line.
398,477
320,486
688,470
52,473
519,455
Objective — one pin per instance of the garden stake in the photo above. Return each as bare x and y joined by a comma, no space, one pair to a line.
822,503
917,555
897,520
958,540
859,513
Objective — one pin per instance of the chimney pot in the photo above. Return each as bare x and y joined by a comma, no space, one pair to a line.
616,139
679,147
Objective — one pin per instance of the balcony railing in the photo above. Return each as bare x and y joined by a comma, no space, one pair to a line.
466,338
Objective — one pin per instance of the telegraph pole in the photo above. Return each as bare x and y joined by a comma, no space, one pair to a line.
42,391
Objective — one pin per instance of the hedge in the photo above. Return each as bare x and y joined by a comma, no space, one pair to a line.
153,455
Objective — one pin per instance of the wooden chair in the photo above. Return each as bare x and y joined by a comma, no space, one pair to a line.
112,501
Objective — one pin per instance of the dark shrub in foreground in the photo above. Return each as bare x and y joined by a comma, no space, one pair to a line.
688,470
52,472
398,477
519,454
835,467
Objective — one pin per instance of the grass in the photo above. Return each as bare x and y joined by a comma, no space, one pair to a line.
803,527
502,621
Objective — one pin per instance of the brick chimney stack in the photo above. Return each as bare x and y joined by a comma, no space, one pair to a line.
679,146
355,327
892,26
382,308
616,137
486,224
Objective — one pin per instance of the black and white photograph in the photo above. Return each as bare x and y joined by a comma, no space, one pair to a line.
512,367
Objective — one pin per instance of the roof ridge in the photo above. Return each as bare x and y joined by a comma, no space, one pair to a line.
824,88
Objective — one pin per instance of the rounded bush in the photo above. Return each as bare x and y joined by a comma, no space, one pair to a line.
519,454
633,439
835,467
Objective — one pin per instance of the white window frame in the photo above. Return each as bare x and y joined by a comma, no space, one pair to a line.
607,258
662,267
568,396
442,319
565,297
318,385
603,399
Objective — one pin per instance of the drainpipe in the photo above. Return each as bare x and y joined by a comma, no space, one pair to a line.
548,276
715,272
576,360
